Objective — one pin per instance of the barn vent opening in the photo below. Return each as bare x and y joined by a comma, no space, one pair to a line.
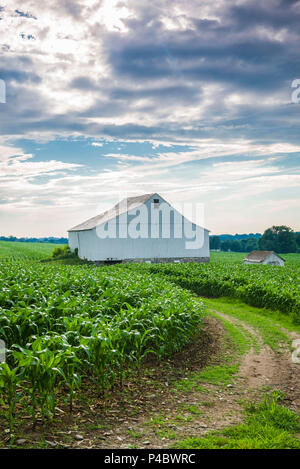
156,203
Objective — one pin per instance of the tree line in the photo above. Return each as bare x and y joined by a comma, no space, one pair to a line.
280,239
49,239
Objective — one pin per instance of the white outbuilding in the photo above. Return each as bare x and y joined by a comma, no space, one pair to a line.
141,229
264,257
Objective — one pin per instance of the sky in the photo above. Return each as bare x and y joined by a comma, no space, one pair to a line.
198,101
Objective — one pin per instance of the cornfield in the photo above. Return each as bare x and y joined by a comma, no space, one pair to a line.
63,324
272,287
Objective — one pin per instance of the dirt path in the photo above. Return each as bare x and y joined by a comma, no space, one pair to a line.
190,408
203,407
268,368
174,400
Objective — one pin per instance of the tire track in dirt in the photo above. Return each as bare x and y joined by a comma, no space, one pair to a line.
268,368
218,407
259,367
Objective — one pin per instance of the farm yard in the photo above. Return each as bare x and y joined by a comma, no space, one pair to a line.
148,355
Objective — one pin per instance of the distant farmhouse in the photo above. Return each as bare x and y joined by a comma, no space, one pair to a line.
264,257
140,229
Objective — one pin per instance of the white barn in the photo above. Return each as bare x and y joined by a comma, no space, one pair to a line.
140,229
264,257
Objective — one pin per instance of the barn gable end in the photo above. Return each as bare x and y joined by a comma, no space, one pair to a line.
87,237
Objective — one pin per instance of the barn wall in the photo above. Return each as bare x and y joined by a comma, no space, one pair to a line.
87,244
272,259
93,248
73,240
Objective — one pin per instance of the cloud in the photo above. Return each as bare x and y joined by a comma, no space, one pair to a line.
150,69
18,170
212,77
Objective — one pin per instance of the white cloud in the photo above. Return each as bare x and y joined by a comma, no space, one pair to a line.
142,78
14,163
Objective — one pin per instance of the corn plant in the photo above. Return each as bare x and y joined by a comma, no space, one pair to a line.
70,364
41,368
100,358
67,323
9,396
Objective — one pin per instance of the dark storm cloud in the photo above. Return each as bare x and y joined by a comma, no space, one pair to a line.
277,14
224,51
233,64
155,72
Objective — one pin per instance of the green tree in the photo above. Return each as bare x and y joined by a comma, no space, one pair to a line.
297,238
251,245
280,239
235,246
225,245
214,242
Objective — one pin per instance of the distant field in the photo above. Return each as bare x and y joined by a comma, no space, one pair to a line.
35,251
31,251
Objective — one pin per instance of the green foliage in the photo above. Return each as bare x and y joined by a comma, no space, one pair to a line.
18,250
268,425
64,323
242,245
297,239
272,287
9,395
63,253
214,242
280,239
263,320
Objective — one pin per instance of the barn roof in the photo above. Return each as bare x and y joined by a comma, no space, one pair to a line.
118,209
260,256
